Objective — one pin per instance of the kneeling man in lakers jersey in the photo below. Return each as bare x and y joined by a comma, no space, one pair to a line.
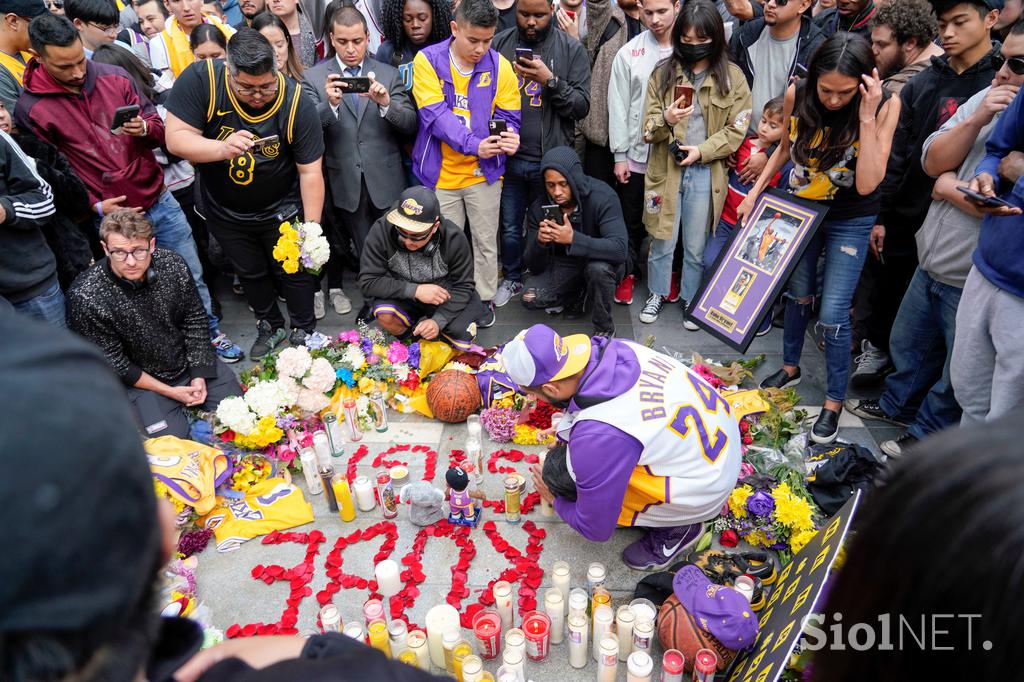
648,442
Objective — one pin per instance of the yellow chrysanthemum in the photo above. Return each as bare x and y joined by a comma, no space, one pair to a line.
757,539
781,492
799,540
285,227
163,491
794,512
738,501
366,385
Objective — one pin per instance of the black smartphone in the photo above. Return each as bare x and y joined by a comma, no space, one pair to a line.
355,84
800,71
984,200
122,115
524,53
497,126
553,212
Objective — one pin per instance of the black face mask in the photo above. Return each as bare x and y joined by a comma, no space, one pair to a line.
692,54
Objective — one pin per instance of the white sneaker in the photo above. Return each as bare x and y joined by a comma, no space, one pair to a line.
340,301
690,326
318,305
652,308
507,290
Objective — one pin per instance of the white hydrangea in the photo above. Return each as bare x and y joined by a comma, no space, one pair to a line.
401,370
321,376
353,357
290,389
294,361
312,229
234,413
312,401
268,398
318,250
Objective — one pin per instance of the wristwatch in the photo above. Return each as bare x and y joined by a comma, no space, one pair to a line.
552,83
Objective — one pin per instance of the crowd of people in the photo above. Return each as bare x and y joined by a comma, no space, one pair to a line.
463,155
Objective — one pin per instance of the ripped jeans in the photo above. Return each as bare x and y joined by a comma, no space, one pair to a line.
845,245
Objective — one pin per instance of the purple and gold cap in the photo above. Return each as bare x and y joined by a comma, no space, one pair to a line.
538,355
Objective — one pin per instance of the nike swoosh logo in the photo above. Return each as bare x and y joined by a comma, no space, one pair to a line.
669,552
224,113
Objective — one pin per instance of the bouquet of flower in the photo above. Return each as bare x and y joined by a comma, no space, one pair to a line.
302,245
766,512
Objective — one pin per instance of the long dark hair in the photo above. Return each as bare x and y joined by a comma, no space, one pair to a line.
942,536
394,29
207,33
706,22
127,60
850,55
293,67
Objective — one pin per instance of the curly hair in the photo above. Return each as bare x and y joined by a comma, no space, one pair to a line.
394,32
127,223
909,19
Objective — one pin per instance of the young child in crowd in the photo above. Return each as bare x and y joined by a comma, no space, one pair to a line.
769,131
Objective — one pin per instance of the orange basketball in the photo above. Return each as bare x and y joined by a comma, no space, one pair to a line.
453,395
678,630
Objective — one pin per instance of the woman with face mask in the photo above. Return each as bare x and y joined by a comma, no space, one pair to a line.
694,119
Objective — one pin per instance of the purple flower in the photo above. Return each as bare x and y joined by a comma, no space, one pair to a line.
372,359
366,345
414,355
286,421
760,504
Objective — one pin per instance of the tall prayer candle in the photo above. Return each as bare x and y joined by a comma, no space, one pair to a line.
578,640
554,606
560,577
364,494
398,635
579,603
673,664
537,627
603,618
643,635
503,602
487,630
355,631
330,618
515,639
608,658
546,508
439,619
472,669
512,660
624,620
373,610
343,494
378,630
322,447
459,654
639,667
417,642
309,471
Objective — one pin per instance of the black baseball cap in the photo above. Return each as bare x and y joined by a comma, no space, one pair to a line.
417,210
23,8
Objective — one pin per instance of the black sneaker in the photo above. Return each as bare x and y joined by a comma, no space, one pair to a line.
781,379
576,309
896,448
826,427
607,333
487,319
267,339
870,409
298,337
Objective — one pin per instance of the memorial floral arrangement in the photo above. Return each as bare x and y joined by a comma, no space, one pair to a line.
302,245
517,419
771,512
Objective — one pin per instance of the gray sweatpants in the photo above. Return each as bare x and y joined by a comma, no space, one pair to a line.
987,367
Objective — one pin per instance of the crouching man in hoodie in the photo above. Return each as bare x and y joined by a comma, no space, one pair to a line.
579,258
644,442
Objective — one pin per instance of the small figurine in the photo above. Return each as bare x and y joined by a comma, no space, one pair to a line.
425,503
461,508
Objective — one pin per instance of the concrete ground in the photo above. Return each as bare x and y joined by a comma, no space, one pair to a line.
224,581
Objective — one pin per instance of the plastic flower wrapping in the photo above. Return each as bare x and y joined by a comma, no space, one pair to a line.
302,245
768,513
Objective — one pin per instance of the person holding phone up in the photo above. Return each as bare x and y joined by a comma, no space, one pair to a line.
694,119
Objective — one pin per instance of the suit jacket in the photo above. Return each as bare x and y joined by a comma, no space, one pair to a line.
360,142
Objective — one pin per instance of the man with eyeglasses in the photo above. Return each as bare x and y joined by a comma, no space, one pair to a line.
140,306
920,392
217,112
416,272
15,16
56,7
96,21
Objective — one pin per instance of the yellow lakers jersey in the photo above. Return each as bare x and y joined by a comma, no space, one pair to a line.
270,505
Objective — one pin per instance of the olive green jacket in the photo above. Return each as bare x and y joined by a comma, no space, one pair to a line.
726,118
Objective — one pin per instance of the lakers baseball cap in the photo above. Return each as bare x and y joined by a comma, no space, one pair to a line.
417,210
538,355
721,612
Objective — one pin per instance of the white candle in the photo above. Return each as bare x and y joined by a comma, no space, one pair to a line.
744,584
554,606
398,636
560,577
608,658
322,446
595,576
603,618
578,602
512,662
307,457
355,631
388,582
643,633
546,508
624,620
440,619
364,493
643,609
578,641
417,642
639,667
515,639
503,603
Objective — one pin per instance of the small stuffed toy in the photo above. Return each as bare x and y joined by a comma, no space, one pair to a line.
460,498
424,502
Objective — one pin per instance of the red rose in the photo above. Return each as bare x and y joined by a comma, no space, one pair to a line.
747,439
730,538
227,435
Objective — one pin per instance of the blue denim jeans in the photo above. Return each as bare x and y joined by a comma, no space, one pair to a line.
47,306
522,185
844,244
694,214
173,232
921,344
715,244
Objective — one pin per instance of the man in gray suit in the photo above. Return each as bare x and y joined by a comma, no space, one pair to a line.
363,133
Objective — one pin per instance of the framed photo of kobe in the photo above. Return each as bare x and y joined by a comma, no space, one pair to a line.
754,266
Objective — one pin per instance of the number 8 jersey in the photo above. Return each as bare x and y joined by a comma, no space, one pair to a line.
261,186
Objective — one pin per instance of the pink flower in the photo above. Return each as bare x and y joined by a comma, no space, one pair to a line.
397,352
372,359
350,336
746,469
285,454
307,439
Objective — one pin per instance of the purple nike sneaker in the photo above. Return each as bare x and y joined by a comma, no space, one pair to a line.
659,548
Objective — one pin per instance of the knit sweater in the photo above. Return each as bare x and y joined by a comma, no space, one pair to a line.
156,326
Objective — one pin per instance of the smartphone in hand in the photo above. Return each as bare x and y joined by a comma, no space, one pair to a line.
356,84
984,200
552,212
685,92
122,115
497,126
525,53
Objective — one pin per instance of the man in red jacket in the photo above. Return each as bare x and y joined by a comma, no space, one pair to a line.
71,102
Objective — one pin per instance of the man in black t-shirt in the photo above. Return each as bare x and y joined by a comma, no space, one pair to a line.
247,189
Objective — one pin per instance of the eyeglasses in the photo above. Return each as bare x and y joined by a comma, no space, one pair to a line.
779,3
121,256
415,238
110,29
55,4
1016,65
249,90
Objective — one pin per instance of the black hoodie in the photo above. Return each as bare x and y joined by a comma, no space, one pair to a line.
928,100
599,229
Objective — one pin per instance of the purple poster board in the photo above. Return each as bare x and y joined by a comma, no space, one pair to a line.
754,267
